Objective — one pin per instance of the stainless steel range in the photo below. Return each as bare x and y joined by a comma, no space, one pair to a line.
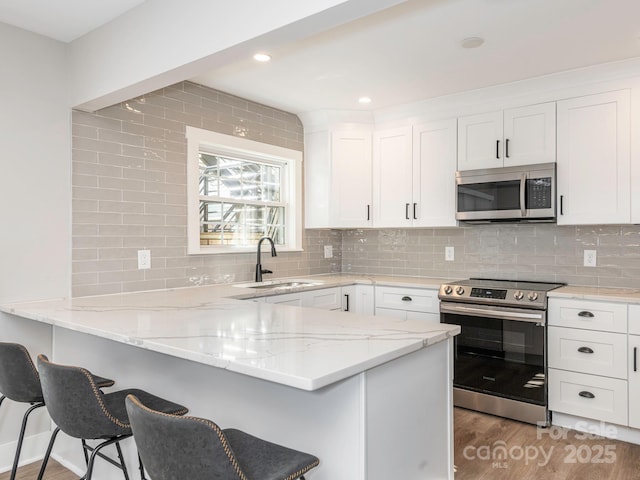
501,352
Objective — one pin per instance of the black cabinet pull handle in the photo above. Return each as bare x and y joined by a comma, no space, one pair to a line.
368,212
635,359
506,148
586,314
415,206
498,149
586,394
561,204
585,350
407,299
347,297
406,211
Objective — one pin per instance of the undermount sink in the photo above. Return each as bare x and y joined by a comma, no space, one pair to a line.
278,284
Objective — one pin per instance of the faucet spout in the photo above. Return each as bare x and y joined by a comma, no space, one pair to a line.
259,269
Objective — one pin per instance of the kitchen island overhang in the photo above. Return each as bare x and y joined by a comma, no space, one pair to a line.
368,395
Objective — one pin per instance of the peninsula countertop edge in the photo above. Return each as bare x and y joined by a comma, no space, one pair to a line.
218,325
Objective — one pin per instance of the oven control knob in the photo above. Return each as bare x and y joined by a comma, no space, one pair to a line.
459,290
518,295
448,289
533,296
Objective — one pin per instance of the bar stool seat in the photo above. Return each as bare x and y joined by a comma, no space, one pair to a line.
179,447
20,382
81,410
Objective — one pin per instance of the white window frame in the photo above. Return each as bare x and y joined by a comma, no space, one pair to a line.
220,144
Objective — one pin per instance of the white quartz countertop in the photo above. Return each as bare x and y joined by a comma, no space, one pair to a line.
623,295
298,347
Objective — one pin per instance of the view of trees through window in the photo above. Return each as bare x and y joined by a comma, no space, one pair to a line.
240,200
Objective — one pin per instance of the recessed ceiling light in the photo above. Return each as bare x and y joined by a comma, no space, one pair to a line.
262,57
472,42
364,100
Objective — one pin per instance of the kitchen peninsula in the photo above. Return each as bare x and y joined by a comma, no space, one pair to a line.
370,396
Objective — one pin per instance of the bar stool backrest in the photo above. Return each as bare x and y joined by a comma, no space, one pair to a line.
174,447
75,402
19,379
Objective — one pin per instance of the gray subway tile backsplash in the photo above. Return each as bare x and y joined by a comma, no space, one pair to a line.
129,193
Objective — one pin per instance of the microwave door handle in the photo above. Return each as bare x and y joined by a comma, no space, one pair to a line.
523,186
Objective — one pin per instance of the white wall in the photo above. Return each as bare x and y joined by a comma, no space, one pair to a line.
35,168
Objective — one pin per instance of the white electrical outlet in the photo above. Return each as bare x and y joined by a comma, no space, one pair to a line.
590,258
144,259
449,254
328,251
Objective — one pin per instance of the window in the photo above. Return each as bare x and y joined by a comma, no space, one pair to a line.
240,190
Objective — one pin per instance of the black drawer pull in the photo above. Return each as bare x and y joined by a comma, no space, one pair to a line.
407,299
635,359
585,350
347,306
586,314
585,394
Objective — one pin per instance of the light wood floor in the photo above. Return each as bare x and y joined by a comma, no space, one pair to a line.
566,456
531,454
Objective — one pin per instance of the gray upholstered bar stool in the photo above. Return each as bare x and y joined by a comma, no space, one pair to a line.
179,448
82,411
20,382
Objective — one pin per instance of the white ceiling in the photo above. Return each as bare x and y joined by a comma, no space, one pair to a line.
412,52
63,20
404,54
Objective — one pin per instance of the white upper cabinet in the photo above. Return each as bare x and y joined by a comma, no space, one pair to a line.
338,179
414,176
517,136
393,204
479,138
434,167
594,159
530,135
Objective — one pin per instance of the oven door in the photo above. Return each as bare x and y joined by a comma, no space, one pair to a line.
500,351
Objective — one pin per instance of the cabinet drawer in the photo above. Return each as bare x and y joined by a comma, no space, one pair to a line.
608,317
408,299
634,319
588,351
326,299
590,396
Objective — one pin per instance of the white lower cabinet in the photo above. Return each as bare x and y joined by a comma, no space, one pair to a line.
590,396
358,299
634,366
326,299
589,357
408,303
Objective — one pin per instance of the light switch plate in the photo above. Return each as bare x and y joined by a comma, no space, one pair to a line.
590,258
328,251
449,254
144,259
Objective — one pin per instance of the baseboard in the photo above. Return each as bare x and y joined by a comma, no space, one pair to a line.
595,427
33,449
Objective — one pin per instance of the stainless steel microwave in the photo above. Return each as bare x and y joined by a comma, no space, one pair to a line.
523,193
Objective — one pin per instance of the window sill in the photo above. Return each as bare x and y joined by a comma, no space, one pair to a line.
234,250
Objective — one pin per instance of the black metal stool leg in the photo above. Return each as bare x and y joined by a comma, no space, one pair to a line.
142,476
96,452
14,470
45,460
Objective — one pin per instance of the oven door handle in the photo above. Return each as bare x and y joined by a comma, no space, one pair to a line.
523,199
529,316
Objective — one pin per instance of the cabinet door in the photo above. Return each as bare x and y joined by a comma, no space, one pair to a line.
530,135
294,299
325,299
434,169
350,179
594,159
392,178
358,299
480,141
634,381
